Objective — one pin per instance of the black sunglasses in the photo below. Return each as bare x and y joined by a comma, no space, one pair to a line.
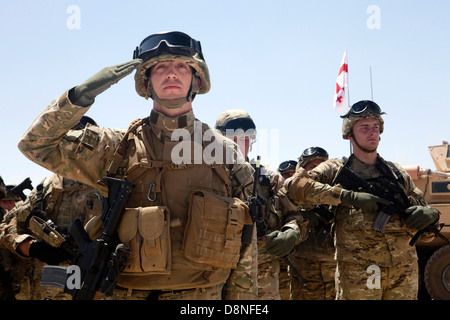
314,151
174,42
362,106
287,165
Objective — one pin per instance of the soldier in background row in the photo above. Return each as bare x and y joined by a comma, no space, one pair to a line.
238,125
314,256
59,200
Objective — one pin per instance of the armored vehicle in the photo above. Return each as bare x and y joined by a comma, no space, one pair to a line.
434,252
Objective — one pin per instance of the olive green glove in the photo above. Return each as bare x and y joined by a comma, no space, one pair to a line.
365,201
421,217
85,93
281,243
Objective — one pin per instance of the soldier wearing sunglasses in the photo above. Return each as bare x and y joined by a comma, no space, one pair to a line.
372,264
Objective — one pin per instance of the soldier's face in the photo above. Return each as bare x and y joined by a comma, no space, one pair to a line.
367,133
312,164
244,144
7,204
171,79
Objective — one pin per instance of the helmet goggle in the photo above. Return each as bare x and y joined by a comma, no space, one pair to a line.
287,165
361,107
174,42
314,151
239,123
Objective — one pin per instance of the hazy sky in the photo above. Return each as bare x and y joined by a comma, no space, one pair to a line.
278,60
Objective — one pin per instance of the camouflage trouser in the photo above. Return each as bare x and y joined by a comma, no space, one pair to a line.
268,274
210,293
361,282
31,289
285,281
319,280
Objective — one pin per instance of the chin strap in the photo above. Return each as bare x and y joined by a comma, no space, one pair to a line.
362,148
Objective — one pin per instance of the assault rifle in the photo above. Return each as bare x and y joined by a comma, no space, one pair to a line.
348,179
45,229
102,260
254,204
18,190
325,223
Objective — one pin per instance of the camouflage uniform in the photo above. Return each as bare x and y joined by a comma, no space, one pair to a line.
370,264
314,261
236,122
12,268
269,266
358,247
63,200
87,157
313,258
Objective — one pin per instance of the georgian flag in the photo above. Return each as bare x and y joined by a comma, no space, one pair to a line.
341,85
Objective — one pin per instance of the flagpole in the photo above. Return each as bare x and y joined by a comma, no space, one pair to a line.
348,101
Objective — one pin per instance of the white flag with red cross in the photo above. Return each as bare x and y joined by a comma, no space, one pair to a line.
341,85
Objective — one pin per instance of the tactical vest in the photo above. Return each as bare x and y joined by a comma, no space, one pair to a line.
182,224
67,200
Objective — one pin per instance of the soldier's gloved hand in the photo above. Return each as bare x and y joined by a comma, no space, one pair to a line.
281,243
85,93
365,201
421,217
48,254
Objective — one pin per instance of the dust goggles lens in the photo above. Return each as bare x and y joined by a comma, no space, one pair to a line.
315,151
174,42
362,106
287,165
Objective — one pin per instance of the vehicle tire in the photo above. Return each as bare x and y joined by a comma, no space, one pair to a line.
437,274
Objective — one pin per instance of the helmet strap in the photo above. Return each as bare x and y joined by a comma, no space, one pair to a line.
359,146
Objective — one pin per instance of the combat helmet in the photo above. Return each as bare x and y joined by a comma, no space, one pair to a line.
171,46
3,191
310,154
235,121
361,110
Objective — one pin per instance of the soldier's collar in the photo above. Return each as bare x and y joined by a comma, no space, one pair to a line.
162,121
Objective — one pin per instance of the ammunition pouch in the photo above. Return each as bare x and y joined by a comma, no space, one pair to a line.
213,233
146,231
43,231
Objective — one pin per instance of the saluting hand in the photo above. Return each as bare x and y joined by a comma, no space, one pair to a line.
85,93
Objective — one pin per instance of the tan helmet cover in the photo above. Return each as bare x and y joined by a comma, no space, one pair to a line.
198,64
233,114
352,119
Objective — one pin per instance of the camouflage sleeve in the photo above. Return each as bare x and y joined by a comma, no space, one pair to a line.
14,229
81,155
242,282
315,186
12,234
242,180
414,194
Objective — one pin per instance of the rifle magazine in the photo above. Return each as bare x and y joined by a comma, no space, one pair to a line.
381,221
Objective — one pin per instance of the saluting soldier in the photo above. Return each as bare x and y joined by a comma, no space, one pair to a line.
180,247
